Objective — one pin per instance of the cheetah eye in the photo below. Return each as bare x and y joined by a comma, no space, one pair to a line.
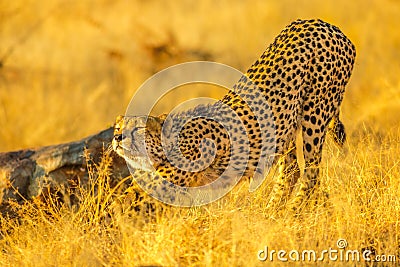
137,128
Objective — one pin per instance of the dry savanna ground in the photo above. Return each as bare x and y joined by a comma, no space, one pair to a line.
68,68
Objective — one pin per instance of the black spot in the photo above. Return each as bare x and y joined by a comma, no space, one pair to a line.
313,119
309,131
308,147
316,140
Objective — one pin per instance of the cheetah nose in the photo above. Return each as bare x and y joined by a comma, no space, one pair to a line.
118,137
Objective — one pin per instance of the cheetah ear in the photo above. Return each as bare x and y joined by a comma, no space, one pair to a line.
153,123
118,119
162,117
166,123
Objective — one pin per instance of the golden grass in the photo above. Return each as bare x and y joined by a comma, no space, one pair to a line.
74,67
363,208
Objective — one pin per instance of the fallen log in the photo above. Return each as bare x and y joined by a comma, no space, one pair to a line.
24,174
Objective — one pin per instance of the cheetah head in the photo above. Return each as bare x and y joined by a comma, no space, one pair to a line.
137,140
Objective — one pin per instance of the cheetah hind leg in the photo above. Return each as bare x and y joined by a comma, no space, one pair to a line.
337,130
289,173
312,157
312,150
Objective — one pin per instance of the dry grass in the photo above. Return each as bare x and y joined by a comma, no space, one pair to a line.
73,68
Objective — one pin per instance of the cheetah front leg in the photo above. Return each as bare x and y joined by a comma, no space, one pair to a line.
289,173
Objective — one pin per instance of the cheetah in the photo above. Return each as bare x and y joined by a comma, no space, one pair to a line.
297,85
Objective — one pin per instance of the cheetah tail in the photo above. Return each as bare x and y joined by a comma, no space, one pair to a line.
336,128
